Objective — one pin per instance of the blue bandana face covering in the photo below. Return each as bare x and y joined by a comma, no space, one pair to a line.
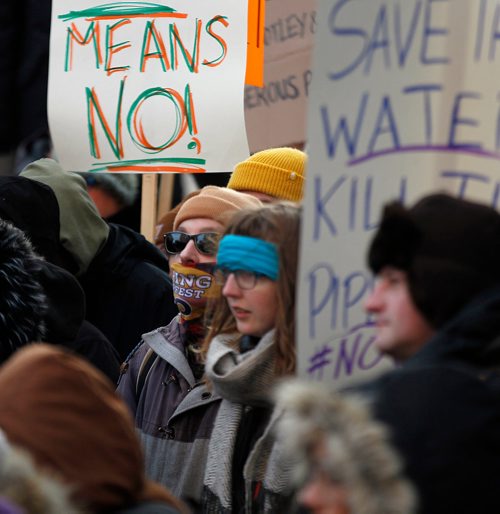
249,254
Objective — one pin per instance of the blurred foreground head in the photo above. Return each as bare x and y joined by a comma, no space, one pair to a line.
67,415
344,463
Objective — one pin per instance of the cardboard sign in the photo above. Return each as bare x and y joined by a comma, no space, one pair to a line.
276,112
142,86
404,101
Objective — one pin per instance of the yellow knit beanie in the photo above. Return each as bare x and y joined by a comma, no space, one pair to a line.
277,172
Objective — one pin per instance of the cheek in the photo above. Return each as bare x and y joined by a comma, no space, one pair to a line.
173,259
206,259
268,307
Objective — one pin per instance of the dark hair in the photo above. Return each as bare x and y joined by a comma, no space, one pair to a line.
278,223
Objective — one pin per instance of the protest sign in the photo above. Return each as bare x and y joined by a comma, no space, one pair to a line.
276,112
142,86
404,100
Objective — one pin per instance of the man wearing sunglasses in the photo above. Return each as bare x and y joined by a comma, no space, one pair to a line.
162,381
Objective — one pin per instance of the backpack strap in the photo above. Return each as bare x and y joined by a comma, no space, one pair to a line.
146,364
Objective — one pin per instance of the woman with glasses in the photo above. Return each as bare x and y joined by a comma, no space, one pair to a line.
162,381
249,347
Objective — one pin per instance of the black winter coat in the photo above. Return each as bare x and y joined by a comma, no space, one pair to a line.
443,408
128,290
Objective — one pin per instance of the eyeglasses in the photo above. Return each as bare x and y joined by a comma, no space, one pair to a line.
205,242
245,279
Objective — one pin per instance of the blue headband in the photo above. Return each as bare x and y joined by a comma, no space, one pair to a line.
249,254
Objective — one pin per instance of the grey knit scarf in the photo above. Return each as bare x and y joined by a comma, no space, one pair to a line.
241,379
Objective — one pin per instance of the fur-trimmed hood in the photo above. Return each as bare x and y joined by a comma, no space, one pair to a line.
22,300
29,488
358,454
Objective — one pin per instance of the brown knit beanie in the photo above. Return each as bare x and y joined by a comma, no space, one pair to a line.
166,222
277,172
215,203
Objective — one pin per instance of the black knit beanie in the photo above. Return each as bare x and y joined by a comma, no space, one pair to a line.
449,247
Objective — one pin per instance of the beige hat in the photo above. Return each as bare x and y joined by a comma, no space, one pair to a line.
215,203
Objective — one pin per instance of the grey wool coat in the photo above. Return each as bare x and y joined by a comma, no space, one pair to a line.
174,414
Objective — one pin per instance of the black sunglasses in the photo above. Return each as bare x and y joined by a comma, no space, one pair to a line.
206,242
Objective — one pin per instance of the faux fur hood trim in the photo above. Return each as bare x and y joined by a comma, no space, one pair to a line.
33,490
22,300
358,454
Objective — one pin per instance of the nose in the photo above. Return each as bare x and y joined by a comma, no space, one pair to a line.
373,302
309,497
231,288
189,255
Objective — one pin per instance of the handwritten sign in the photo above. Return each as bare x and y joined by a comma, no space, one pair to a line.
142,86
404,100
276,112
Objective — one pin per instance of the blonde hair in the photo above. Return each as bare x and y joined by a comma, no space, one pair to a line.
278,223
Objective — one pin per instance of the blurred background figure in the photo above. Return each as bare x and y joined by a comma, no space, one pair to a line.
343,462
32,208
272,174
115,195
125,278
24,66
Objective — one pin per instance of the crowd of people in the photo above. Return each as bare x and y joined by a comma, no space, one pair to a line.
142,378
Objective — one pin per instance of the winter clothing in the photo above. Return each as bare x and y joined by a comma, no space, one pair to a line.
166,222
277,172
437,242
91,344
127,288
65,323
122,187
174,411
32,207
83,430
443,409
22,300
82,231
357,453
194,287
250,254
215,203
26,489
39,300
24,32
124,277
245,381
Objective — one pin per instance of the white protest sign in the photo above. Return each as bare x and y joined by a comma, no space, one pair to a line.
405,99
142,86
276,113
